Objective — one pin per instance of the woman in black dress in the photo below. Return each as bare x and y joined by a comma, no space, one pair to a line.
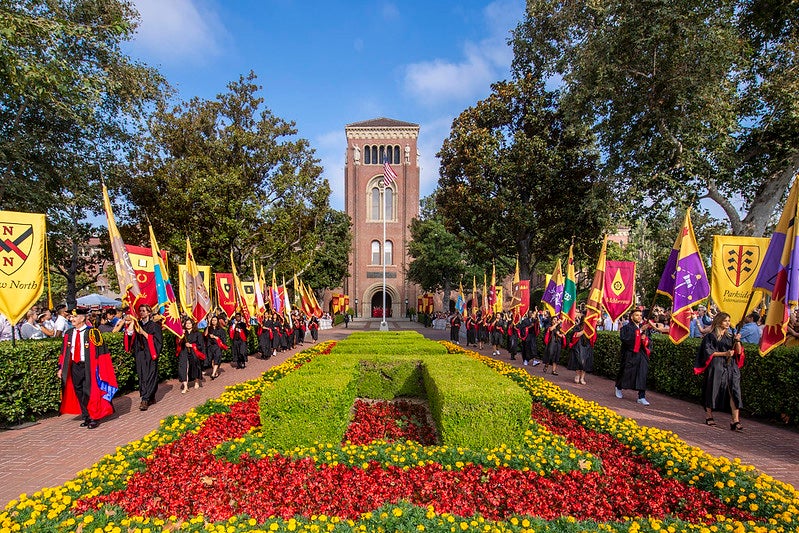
554,342
720,358
214,344
191,354
581,355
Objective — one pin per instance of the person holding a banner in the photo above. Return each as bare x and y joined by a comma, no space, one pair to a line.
635,352
144,339
720,358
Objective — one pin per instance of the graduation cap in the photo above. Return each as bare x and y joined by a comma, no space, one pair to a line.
80,311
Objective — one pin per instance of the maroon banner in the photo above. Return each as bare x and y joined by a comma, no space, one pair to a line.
523,292
141,259
619,294
225,292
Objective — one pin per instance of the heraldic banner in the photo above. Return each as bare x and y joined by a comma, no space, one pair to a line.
619,288
736,262
22,238
225,292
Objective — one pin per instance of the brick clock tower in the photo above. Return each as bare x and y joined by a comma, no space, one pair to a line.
368,203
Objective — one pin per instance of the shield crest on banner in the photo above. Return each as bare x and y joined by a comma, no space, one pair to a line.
16,242
740,262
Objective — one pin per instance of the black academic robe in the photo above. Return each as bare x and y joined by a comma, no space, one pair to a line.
191,354
146,352
634,363
214,347
553,346
722,375
581,354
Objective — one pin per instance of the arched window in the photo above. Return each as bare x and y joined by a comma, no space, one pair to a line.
367,155
396,155
389,212
375,204
375,160
376,252
389,253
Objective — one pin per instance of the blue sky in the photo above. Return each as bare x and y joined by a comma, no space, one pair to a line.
327,64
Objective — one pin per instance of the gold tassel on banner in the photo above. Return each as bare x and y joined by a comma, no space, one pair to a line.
47,269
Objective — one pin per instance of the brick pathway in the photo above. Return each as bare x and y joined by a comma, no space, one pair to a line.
53,451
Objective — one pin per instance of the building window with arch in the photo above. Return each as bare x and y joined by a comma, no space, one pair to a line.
389,198
375,155
375,252
375,203
381,201
389,253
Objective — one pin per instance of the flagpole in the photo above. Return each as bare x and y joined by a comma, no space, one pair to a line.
383,324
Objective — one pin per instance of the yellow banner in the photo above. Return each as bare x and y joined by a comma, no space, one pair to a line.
205,273
249,296
22,237
736,261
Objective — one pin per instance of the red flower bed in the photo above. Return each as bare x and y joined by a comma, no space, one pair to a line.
390,421
184,479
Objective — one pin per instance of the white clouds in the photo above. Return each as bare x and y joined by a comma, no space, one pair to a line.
390,11
440,80
173,32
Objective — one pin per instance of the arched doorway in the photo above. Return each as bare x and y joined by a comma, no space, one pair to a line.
377,305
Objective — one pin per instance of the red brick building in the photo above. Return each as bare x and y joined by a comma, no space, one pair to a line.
369,203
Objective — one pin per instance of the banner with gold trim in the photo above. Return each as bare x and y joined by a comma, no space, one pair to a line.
736,262
619,295
22,239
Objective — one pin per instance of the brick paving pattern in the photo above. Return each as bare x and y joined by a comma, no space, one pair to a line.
53,451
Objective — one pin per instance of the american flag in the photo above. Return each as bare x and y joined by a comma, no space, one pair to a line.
389,176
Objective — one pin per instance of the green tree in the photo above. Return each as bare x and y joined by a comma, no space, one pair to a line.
690,99
70,102
330,265
438,257
519,176
231,176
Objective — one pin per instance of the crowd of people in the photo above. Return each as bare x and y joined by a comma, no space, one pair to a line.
199,350
719,358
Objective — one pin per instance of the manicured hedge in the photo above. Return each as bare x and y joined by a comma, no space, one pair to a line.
471,405
770,384
29,385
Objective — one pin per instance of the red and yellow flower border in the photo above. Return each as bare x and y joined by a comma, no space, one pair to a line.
774,502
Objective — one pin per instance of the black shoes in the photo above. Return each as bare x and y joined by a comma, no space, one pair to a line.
89,423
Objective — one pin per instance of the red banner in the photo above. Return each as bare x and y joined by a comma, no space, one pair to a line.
141,259
225,292
428,304
619,294
420,304
523,292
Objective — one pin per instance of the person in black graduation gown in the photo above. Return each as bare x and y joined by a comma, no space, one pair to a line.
455,328
214,344
581,354
635,351
554,342
238,335
145,341
720,358
313,327
191,354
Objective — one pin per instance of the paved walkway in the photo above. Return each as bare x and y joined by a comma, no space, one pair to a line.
53,451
